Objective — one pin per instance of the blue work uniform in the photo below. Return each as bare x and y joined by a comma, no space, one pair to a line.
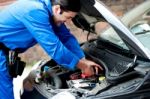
26,23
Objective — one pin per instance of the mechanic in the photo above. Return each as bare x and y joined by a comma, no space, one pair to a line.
28,22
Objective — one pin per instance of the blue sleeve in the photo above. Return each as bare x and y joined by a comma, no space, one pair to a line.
69,41
37,22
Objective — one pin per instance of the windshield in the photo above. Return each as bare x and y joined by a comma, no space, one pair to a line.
111,35
140,27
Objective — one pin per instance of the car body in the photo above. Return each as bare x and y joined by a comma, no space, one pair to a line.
123,51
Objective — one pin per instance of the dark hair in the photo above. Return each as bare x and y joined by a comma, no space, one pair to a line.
68,5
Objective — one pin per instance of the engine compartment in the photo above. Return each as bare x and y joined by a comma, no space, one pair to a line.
114,79
72,79
60,79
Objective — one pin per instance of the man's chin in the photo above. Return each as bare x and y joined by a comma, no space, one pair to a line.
58,24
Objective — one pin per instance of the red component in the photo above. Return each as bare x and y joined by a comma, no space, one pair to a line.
78,76
84,76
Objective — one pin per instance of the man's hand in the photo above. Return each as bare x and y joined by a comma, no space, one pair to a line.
88,67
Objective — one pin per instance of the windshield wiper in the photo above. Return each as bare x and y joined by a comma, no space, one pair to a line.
143,32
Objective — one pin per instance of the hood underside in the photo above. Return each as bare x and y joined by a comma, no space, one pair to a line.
93,11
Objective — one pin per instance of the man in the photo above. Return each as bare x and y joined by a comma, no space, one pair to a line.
28,22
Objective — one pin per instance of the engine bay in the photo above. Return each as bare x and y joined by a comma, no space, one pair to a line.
119,73
60,79
56,79
72,79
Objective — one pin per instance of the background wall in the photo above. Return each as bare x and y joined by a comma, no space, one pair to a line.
117,6
121,6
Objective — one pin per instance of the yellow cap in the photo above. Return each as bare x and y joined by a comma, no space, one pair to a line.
101,78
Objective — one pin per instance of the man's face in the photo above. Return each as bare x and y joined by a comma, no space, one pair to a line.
61,16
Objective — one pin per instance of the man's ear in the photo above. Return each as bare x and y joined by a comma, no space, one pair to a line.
57,9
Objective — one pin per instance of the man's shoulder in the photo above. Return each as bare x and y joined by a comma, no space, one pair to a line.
35,4
29,5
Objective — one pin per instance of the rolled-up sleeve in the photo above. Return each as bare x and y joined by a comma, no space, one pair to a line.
37,22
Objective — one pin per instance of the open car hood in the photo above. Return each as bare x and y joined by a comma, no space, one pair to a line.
93,11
